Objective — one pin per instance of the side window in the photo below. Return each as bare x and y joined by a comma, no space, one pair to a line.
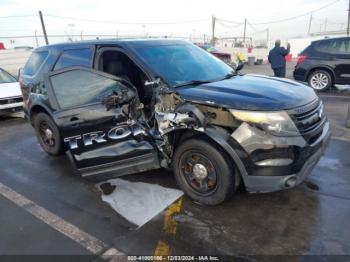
341,46
79,87
323,46
74,57
335,46
34,62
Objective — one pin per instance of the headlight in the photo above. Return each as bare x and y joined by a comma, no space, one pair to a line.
276,123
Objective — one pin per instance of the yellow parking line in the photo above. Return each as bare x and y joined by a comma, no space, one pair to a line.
162,249
169,221
169,227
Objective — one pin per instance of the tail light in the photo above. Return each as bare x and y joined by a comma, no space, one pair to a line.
301,59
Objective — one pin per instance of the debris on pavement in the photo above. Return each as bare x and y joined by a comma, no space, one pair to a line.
137,202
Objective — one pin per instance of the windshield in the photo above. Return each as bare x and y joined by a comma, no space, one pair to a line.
179,64
6,77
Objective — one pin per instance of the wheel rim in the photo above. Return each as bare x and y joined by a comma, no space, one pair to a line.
319,81
46,134
198,172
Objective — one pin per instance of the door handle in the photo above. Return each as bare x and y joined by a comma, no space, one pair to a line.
75,121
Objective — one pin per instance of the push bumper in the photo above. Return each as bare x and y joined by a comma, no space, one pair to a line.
262,184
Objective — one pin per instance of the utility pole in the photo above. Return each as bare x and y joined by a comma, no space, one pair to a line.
43,26
36,39
325,24
267,37
213,30
348,28
245,30
310,22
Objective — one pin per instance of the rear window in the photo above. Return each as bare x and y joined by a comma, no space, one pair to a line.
34,63
74,57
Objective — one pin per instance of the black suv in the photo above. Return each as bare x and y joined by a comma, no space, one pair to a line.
324,63
122,107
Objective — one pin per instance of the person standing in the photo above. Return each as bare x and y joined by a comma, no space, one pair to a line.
277,59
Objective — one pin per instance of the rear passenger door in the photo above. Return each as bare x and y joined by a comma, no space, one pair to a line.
100,141
341,50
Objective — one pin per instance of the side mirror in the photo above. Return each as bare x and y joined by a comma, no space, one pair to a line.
239,66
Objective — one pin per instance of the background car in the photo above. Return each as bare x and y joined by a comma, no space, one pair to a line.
324,63
226,57
10,93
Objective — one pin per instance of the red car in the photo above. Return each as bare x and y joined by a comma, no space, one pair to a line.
226,57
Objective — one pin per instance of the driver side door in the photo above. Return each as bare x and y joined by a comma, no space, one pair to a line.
96,115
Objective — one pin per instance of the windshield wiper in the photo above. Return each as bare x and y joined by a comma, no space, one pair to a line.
193,82
228,76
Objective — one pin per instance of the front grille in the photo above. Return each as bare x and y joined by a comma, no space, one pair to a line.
309,120
11,100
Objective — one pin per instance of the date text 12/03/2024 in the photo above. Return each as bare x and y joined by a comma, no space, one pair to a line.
173,258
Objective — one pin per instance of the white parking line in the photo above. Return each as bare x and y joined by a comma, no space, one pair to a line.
335,96
86,240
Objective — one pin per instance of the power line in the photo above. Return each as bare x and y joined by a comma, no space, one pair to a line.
328,21
230,22
229,26
125,23
16,16
252,27
298,16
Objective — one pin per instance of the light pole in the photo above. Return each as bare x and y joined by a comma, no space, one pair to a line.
144,30
71,30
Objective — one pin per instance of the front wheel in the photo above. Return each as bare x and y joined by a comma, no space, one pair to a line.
203,172
48,135
320,80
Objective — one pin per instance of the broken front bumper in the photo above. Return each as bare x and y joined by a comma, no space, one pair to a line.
277,173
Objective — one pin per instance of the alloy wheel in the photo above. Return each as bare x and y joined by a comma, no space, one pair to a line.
319,81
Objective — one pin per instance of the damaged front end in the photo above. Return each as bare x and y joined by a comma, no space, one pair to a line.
269,151
268,158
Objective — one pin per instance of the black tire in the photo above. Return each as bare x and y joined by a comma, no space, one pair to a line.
197,151
320,80
48,135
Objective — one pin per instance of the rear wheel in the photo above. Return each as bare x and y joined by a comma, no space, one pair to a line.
203,172
320,80
48,135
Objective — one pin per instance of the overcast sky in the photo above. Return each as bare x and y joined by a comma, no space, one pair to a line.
147,12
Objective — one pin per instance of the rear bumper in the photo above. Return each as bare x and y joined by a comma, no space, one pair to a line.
299,73
262,184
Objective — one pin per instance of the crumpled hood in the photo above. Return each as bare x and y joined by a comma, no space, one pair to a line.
251,92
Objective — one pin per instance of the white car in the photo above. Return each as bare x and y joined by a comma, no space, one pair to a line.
10,94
